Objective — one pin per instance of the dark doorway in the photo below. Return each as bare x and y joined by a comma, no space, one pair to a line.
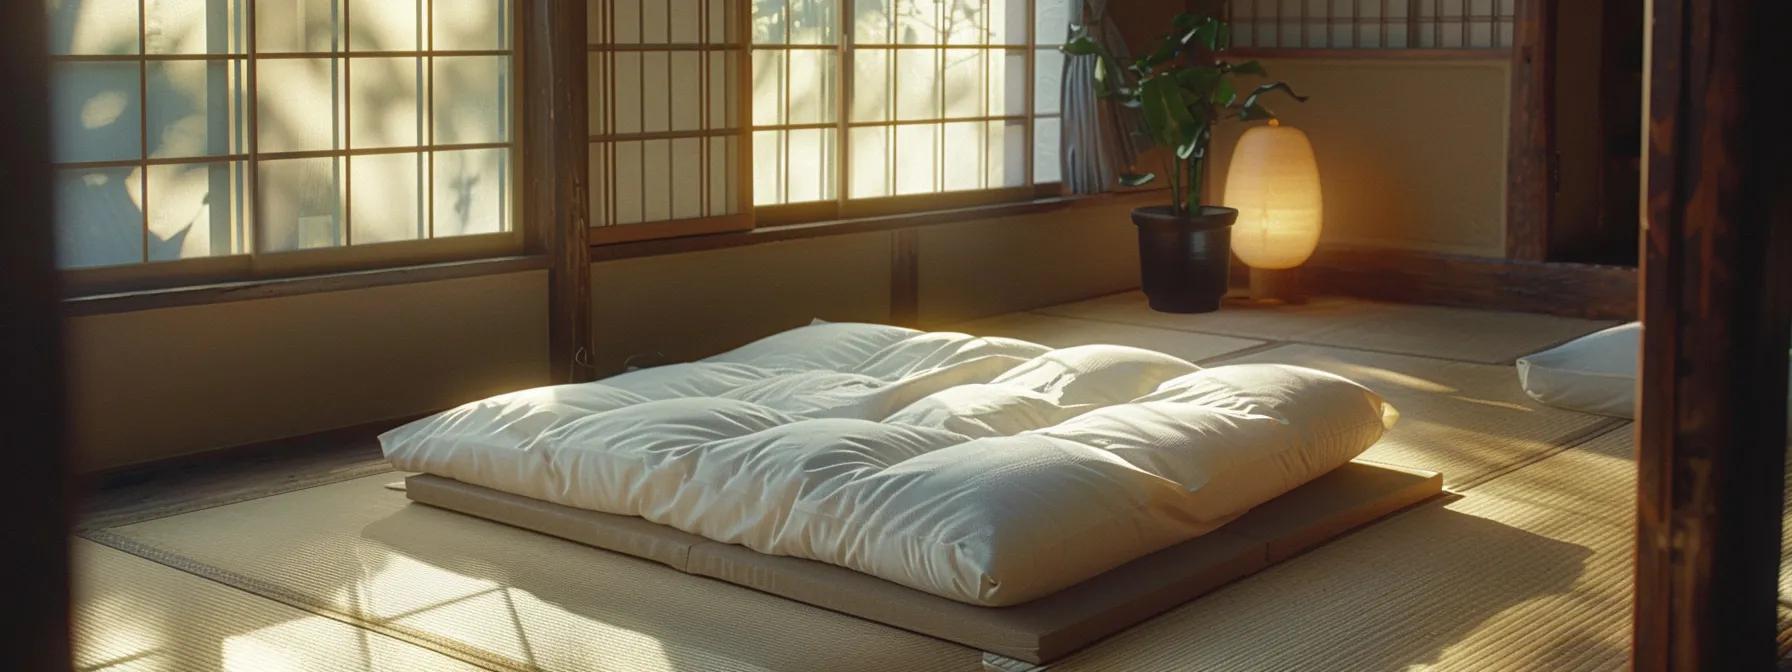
1598,111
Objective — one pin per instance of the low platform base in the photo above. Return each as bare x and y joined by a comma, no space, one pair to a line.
1017,638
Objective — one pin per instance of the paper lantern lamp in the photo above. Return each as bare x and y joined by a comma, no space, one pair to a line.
1274,185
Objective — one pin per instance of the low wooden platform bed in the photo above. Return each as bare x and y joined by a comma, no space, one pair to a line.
1020,500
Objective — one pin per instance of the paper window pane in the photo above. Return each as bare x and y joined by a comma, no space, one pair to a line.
656,179
288,26
917,84
1048,78
387,202
626,21
386,25
809,161
628,96
811,93
871,85
386,106
721,109
472,99
1008,84
1051,20
470,25
472,192
968,156
300,204
599,201
655,22
768,88
686,90
98,218
919,21
627,185
871,21
687,178
870,154
722,174
916,158
91,26
195,26
195,108
811,21
686,19
965,22
1045,150
768,21
597,89
719,30
1008,21
965,86
303,112
768,167
198,210
95,107
656,104
1009,142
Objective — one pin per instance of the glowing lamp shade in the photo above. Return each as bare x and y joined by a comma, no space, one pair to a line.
1274,184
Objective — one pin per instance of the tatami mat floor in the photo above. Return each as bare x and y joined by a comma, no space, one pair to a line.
1526,566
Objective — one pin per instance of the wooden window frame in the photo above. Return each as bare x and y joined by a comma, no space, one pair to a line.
843,207
254,264
738,37
1415,22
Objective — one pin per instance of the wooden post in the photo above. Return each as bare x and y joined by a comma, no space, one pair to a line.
1530,185
35,486
557,175
1717,307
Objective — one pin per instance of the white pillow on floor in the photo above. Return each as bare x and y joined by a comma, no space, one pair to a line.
1594,374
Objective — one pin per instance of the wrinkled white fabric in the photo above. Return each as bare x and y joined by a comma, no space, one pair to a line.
985,470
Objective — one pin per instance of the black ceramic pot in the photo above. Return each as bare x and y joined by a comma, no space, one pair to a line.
1183,260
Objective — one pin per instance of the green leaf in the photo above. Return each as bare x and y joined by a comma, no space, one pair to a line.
1271,88
1137,179
1253,112
1082,45
1225,93
1249,68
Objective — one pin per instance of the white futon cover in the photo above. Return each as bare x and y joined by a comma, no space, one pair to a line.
986,470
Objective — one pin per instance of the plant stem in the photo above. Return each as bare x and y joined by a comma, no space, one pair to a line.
1194,187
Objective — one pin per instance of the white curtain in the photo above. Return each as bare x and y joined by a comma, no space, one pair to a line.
1100,138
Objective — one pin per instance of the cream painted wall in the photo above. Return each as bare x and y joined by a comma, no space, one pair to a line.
160,383
1412,154
983,268
680,307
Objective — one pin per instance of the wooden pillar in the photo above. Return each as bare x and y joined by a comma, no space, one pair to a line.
1530,181
35,485
557,175
1717,307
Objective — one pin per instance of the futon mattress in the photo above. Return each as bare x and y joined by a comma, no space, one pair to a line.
989,471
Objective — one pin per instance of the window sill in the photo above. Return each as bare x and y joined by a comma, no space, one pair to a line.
1400,54
841,227
249,290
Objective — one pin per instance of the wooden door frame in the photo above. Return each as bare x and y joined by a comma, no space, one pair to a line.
36,486
1717,307
556,175
1530,178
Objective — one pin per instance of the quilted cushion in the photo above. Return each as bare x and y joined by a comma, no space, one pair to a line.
986,470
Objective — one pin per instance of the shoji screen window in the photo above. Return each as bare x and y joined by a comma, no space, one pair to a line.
870,106
1372,24
221,132
668,148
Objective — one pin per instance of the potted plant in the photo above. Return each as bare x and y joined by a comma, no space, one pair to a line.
1181,89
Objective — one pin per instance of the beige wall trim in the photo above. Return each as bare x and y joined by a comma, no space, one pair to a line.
249,290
